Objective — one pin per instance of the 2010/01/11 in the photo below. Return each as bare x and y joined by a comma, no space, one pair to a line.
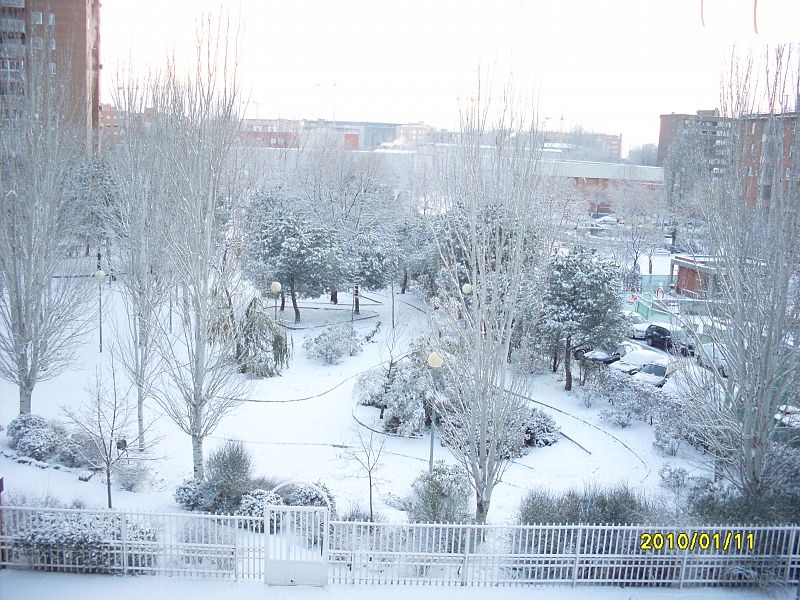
718,540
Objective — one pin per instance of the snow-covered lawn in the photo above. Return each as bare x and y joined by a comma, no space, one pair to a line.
300,425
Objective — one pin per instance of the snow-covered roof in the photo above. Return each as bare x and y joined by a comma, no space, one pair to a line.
600,170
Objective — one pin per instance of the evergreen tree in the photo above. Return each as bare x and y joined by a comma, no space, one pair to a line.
581,304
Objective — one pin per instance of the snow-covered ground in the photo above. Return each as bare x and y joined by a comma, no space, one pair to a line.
300,426
45,586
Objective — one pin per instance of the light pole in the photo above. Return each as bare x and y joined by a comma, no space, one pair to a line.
276,289
435,361
100,278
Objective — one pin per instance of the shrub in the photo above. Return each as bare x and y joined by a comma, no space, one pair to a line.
333,343
24,424
74,449
37,443
263,348
408,394
540,429
668,440
24,497
254,505
229,470
359,512
195,495
591,505
441,496
130,474
83,543
370,388
673,478
304,495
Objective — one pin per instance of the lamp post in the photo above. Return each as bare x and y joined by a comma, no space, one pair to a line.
466,289
435,361
100,278
276,289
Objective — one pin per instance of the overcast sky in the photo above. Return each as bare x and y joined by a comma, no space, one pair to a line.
610,65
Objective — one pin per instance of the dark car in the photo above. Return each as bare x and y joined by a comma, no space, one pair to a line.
666,336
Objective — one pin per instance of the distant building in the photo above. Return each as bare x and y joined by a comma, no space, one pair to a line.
63,36
269,133
583,145
706,131
768,143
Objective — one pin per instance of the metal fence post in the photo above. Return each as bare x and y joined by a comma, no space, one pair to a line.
124,538
577,557
683,567
466,557
790,556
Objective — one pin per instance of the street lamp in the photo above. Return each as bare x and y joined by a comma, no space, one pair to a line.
100,278
276,289
435,361
466,289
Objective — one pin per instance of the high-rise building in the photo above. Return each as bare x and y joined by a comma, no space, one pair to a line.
61,37
707,132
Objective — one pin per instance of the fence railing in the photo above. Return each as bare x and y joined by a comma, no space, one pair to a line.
196,545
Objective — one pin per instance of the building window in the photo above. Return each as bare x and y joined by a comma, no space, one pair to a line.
52,68
36,17
37,43
750,171
52,43
51,19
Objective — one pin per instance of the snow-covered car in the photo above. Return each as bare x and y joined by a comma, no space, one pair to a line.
788,416
633,361
654,373
635,324
709,356
606,356
606,220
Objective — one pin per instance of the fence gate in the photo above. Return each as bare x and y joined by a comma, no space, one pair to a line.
296,550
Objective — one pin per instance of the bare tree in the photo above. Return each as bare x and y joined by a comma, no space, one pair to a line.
368,456
488,244
107,420
42,294
635,206
201,384
139,224
752,291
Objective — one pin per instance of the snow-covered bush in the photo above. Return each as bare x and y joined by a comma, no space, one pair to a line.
370,388
304,495
668,440
38,443
254,504
229,471
540,429
130,474
75,450
673,478
206,544
24,424
441,496
630,399
407,396
78,543
333,343
195,495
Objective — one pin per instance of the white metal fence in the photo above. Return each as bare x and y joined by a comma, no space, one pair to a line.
194,545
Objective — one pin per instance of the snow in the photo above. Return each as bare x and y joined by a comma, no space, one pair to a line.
44,586
300,425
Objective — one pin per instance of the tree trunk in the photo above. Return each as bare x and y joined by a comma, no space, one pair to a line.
283,301
371,517
567,365
404,284
355,301
140,416
294,305
25,393
108,484
481,510
197,457
555,361
334,297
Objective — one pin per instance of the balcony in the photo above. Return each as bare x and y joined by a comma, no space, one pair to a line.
12,25
12,3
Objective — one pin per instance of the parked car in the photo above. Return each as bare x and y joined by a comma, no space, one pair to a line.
709,355
607,357
685,344
636,325
654,373
788,416
606,220
633,361
661,334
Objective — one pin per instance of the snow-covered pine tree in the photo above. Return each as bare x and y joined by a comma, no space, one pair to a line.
287,247
581,307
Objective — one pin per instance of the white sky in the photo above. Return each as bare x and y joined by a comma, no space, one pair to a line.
610,65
